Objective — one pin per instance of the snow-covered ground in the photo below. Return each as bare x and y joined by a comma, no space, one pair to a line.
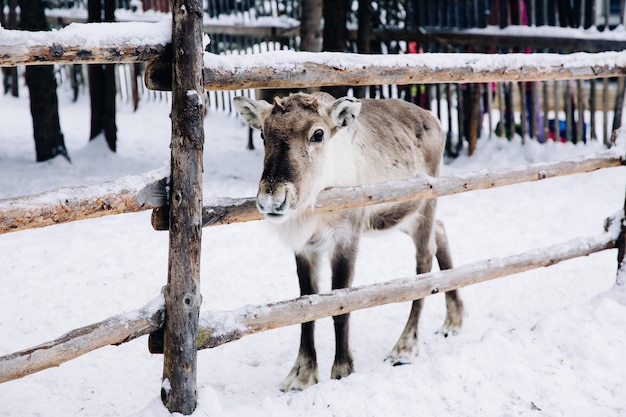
550,342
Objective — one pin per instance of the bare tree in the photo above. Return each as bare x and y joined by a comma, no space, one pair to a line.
311,26
102,81
335,14
10,75
42,87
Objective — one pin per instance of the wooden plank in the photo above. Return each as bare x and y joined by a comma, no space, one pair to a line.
226,211
286,69
129,194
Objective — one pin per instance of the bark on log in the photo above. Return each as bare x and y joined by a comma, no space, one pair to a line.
59,54
126,195
87,43
227,211
145,192
484,39
112,331
285,69
219,327
182,293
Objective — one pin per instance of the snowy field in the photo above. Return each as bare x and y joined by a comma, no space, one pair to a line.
550,342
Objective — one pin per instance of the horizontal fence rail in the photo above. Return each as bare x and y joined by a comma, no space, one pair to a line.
145,192
87,44
538,37
229,210
219,327
286,69
126,195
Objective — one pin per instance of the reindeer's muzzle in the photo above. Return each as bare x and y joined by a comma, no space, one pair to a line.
276,202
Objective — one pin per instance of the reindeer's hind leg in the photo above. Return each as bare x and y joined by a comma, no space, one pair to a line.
454,305
342,264
304,372
423,237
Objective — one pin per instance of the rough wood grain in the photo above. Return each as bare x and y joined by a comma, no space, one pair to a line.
226,211
179,391
114,330
285,69
222,327
126,195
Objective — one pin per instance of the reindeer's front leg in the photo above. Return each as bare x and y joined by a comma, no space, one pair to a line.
342,262
304,371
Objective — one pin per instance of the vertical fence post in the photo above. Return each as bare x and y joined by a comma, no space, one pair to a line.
182,294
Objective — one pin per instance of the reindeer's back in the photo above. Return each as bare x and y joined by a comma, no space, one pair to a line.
398,139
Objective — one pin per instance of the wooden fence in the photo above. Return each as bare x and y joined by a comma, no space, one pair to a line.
184,188
561,110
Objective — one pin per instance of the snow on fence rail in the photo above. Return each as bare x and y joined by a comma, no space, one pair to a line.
287,69
296,70
86,44
148,191
129,194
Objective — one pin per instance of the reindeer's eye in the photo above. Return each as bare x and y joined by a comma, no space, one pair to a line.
318,136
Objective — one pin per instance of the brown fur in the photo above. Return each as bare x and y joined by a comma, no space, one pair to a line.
313,142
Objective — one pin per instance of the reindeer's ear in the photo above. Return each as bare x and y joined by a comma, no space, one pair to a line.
254,112
344,111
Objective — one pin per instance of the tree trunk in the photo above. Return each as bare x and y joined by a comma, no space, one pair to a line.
363,37
10,74
311,26
335,14
44,106
102,82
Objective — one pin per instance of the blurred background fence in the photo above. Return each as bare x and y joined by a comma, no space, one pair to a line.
565,111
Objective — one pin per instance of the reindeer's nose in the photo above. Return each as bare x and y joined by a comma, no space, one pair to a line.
270,205
273,202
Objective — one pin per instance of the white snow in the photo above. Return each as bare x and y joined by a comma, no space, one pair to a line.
92,35
549,342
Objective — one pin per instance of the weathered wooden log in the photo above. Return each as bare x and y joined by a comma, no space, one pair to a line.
514,36
126,195
286,69
145,192
114,330
87,43
261,27
179,391
226,211
219,327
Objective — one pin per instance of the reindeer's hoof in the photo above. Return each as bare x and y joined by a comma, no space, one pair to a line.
299,379
404,356
446,331
398,361
341,370
451,325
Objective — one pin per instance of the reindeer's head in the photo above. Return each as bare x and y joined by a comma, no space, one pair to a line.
295,131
